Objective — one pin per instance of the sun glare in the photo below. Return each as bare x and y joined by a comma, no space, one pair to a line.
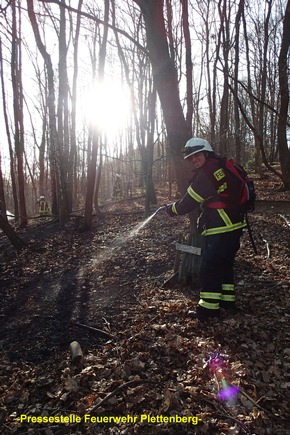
107,108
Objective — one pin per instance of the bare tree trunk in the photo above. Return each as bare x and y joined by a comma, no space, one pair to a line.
91,179
150,197
284,152
57,173
224,112
16,68
2,195
238,145
166,83
96,135
41,154
211,78
62,108
72,171
147,107
12,163
10,233
165,79
98,183
170,30
263,85
188,62
258,162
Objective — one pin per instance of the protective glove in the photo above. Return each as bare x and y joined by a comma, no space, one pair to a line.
168,209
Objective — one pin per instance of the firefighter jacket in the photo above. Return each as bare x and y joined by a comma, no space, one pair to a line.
216,192
43,207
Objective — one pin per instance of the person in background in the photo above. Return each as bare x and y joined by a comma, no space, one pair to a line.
43,207
117,189
217,193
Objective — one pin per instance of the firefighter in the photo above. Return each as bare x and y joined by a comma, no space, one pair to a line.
43,206
117,189
217,194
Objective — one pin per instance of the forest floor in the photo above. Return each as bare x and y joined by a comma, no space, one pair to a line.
152,370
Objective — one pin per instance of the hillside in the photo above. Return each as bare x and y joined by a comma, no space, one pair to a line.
144,361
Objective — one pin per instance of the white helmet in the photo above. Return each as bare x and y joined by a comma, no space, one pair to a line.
196,145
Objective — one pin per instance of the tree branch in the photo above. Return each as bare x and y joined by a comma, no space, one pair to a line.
258,100
97,20
254,130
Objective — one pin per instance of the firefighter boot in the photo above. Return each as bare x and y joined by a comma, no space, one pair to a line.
203,314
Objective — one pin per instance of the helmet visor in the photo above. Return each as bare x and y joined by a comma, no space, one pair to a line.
189,151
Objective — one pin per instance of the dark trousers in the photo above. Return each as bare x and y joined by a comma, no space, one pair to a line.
216,272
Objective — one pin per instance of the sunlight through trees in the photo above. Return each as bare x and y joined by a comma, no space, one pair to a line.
77,87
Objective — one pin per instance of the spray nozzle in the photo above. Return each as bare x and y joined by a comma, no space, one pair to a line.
156,211
160,208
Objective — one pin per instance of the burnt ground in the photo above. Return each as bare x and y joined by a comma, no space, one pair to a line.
150,358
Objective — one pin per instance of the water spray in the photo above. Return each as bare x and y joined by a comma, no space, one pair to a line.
120,241
142,225
159,209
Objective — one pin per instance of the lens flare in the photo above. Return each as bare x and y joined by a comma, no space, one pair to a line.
218,365
229,393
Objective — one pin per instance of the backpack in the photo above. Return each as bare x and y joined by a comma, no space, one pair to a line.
248,194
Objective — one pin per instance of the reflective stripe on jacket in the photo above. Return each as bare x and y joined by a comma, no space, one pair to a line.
43,206
217,194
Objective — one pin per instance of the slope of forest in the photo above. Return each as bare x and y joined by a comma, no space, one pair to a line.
144,360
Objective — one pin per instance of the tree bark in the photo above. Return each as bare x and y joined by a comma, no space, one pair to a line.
225,44
10,233
150,197
238,145
62,108
72,172
16,75
8,134
96,133
166,83
91,176
165,79
284,152
188,62
59,198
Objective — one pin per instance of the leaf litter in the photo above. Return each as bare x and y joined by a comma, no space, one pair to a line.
157,361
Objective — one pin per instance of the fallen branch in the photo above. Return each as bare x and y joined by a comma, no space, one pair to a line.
224,413
261,408
76,353
285,219
117,390
235,420
267,246
97,331
170,279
